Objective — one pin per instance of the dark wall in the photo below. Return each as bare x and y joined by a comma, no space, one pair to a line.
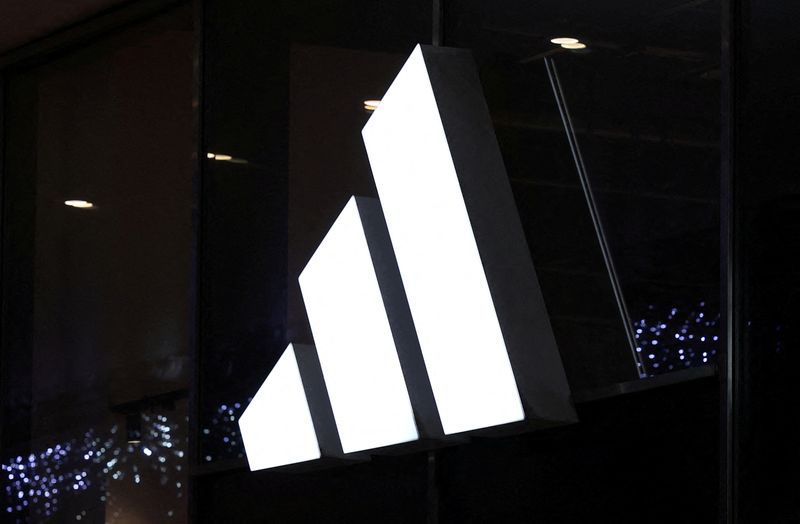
765,281
647,457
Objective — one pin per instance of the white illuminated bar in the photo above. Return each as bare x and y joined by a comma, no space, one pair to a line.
471,287
354,339
276,427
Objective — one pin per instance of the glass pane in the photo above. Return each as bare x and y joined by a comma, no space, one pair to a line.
649,129
643,98
284,87
97,279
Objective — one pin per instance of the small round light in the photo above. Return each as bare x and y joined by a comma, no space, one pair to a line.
81,204
576,45
371,105
210,155
564,40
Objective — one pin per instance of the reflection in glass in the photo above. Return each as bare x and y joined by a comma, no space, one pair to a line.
99,476
97,240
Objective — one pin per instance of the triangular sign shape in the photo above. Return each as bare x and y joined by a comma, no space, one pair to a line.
276,427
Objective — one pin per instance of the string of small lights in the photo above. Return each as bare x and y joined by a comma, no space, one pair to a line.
220,439
677,338
39,485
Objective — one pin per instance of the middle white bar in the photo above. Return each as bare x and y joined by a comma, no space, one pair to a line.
354,340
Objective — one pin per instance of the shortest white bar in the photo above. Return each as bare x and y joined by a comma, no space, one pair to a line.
276,427
354,340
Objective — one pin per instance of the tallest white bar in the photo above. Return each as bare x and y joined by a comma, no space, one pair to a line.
438,256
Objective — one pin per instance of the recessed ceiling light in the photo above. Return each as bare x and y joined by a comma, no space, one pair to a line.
226,158
371,105
81,204
577,45
564,40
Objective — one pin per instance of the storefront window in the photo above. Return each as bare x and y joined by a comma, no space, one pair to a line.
284,88
166,182
641,91
97,240
609,235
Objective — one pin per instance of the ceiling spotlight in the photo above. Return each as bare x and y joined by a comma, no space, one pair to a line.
217,156
564,40
226,158
576,45
371,105
81,204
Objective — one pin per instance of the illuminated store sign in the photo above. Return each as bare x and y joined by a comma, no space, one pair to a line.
276,427
425,309
354,339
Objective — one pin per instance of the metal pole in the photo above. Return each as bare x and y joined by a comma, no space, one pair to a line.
593,212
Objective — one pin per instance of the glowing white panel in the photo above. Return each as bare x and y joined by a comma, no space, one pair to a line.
448,294
354,340
276,427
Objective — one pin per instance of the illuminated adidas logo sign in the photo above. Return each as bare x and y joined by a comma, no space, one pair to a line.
425,308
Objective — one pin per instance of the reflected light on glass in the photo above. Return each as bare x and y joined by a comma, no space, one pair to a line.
80,204
564,40
371,105
226,158
39,485
216,156
576,45
677,337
